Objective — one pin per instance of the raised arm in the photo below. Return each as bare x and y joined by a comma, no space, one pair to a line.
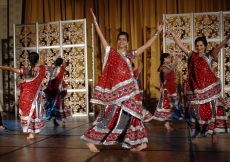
141,49
177,41
174,64
217,49
42,61
15,70
102,38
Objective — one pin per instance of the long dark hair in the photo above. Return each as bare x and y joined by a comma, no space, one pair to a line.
58,61
33,58
162,59
133,65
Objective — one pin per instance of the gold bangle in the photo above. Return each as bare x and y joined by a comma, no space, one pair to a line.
173,35
95,23
157,33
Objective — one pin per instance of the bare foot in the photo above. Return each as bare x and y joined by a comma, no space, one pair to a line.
194,136
214,139
147,120
63,122
92,147
2,127
175,129
139,147
31,136
169,126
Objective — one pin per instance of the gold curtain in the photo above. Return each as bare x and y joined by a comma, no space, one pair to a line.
137,17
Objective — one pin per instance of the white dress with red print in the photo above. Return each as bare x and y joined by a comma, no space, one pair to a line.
30,107
146,113
206,109
55,95
169,107
121,114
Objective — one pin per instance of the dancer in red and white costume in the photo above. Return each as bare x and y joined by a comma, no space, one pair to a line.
30,102
120,118
207,109
55,94
169,107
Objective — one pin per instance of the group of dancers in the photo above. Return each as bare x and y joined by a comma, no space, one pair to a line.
31,107
120,95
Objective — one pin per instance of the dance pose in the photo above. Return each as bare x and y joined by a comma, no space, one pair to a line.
55,94
147,116
169,107
30,107
206,107
121,114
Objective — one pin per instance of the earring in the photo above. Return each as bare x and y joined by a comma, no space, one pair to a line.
127,45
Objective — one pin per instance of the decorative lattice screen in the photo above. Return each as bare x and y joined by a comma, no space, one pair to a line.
67,38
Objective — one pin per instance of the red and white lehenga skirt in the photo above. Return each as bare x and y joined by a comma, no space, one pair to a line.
169,107
30,103
206,110
55,95
146,113
121,114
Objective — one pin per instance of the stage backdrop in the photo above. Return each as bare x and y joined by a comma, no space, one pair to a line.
137,17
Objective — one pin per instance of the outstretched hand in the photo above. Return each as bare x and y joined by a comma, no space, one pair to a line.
168,33
91,11
178,59
160,26
58,54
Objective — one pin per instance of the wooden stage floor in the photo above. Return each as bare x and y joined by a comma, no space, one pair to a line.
63,144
